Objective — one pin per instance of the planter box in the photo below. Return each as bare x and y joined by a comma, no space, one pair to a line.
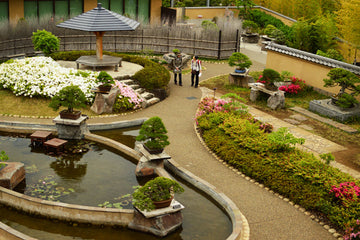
153,151
68,115
104,88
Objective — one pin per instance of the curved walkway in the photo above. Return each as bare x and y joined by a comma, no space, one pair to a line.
269,216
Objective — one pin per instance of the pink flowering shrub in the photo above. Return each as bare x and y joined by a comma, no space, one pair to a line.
128,96
209,105
353,232
345,192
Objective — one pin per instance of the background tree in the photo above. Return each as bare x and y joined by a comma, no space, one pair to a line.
348,18
244,7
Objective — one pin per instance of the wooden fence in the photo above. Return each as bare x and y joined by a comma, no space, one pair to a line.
217,44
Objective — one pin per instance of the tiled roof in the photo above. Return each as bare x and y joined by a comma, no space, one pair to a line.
100,19
312,57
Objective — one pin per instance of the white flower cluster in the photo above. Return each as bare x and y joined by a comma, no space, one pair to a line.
42,76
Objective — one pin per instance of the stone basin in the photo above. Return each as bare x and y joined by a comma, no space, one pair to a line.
12,174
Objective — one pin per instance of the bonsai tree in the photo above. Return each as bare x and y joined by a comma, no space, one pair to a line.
3,158
105,79
240,60
153,131
45,41
70,97
250,26
346,80
270,76
158,189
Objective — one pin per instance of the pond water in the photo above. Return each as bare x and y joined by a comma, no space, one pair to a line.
91,177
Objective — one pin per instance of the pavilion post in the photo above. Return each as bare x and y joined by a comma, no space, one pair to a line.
99,44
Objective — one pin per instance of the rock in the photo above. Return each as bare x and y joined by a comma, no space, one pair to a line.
276,100
104,102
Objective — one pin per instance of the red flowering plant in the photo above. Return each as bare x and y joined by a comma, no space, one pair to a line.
346,192
295,87
353,231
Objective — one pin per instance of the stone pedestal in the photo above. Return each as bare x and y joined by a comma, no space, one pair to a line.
159,222
149,162
240,79
12,174
71,129
326,108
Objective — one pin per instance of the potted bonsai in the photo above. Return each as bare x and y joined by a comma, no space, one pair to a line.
105,81
70,97
156,193
153,132
269,77
241,61
250,35
346,80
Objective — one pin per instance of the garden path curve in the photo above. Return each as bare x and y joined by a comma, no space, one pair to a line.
269,216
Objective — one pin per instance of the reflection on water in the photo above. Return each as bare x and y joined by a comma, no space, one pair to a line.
90,178
125,136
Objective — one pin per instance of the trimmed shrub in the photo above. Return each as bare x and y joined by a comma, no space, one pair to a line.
270,76
45,41
292,173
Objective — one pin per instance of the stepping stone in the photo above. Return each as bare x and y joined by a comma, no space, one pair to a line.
291,121
299,117
306,127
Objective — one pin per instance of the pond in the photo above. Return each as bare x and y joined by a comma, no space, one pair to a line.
92,175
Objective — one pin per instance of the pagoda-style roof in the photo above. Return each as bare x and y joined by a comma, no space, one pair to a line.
100,19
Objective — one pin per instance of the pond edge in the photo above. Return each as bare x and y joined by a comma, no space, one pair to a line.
240,227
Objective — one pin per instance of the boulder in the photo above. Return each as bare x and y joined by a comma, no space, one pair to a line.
104,102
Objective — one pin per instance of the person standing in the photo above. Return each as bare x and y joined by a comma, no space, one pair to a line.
177,64
195,70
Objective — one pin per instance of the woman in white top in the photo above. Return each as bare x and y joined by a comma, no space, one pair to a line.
195,70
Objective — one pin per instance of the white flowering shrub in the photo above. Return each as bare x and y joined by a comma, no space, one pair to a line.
42,76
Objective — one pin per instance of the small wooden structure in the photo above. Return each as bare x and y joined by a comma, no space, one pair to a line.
39,137
55,143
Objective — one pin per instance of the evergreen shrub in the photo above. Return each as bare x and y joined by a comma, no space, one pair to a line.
295,174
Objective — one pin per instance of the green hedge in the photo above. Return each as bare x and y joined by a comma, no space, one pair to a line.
152,76
294,174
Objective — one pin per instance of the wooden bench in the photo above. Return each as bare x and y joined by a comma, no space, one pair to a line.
55,143
39,137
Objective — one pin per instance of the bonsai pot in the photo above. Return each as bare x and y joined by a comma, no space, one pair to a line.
163,204
240,70
2,167
105,88
153,151
70,115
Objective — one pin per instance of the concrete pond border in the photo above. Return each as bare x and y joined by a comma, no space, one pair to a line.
107,216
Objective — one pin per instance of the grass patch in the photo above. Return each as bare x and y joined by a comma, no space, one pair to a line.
26,106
